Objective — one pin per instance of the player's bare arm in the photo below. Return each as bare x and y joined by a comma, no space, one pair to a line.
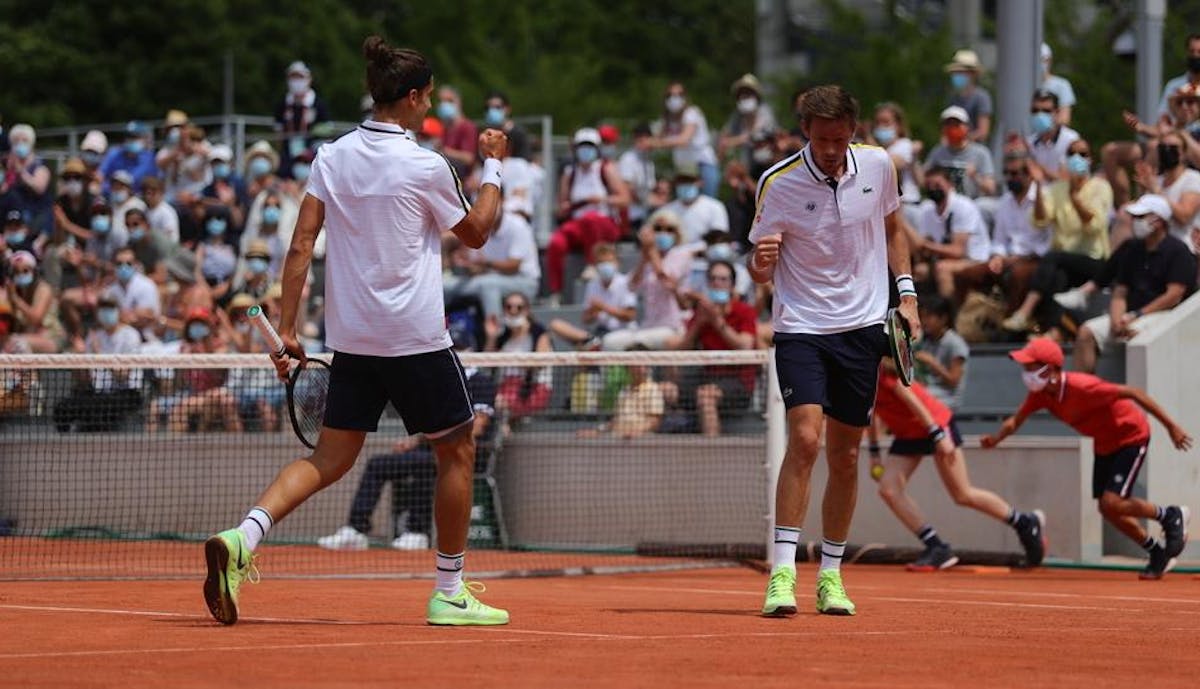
900,261
295,273
477,226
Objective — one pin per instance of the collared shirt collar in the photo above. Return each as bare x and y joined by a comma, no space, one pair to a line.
817,175
385,128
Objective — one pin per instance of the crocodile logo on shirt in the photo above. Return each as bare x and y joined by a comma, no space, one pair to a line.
810,206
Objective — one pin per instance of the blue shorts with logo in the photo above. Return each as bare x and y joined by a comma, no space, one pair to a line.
837,371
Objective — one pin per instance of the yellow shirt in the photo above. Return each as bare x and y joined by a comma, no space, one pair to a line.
634,404
1071,234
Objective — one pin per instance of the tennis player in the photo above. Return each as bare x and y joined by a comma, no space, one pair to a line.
921,425
1112,416
384,202
826,231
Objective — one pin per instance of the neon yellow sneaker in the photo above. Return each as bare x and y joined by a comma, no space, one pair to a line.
831,595
463,609
781,593
229,563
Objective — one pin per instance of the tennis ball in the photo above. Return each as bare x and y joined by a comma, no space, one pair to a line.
877,472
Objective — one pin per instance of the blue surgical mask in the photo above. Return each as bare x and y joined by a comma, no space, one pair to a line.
173,136
215,226
16,238
120,196
197,331
221,170
1041,122
101,224
587,153
91,158
884,135
135,146
606,270
23,279
125,272
300,171
494,117
718,296
687,192
136,234
1078,165
719,252
959,81
108,316
447,110
259,167
271,215
22,149
257,265
664,240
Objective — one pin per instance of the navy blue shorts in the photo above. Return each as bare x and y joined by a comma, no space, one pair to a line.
1117,472
838,371
919,447
429,390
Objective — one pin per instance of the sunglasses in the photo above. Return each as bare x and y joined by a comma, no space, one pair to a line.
664,228
514,307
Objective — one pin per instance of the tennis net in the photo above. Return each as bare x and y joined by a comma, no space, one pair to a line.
119,466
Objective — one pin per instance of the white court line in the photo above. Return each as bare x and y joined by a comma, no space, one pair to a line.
276,647
161,613
1044,594
1001,604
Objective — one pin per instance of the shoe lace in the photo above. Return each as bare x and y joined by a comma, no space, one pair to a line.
831,587
780,583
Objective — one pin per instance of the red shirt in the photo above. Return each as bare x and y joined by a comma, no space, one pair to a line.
741,318
901,420
1093,407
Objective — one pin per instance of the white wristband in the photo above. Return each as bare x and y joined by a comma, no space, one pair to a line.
491,172
905,285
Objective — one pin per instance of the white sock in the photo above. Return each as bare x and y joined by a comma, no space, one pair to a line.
449,573
831,554
255,526
786,538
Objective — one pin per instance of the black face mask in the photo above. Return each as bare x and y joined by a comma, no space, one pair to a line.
1193,64
935,194
1168,158
1015,186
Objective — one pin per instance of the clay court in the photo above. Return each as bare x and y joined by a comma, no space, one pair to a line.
698,628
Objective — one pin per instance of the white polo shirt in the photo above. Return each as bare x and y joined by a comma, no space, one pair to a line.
832,274
698,217
387,201
960,217
1014,233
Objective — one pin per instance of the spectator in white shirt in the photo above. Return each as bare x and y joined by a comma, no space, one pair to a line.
507,263
609,305
1050,138
697,213
950,234
135,294
636,167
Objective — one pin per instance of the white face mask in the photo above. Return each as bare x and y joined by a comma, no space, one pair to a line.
747,105
675,103
297,85
1142,227
1036,381
515,322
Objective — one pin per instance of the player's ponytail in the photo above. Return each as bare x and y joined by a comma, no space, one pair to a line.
392,73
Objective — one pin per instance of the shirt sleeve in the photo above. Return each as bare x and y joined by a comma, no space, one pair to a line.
1182,269
444,197
316,180
890,194
1031,404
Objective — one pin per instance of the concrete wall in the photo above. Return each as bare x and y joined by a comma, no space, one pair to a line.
1165,362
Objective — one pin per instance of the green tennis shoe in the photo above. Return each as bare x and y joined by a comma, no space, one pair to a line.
781,593
831,595
230,563
464,609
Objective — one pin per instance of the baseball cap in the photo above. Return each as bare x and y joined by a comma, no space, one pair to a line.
955,112
198,313
136,129
1046,52
1150,204
22,258
460,333
1039,350
74,166
609,134
175,118
298,67
221,152
14,216
586,135
432,128
123,177
94,141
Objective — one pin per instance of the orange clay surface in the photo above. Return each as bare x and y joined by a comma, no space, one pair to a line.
1053,628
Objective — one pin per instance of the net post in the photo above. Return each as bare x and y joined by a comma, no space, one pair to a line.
776,446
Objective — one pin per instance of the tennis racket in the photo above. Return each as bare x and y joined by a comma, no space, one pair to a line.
900,339
307,385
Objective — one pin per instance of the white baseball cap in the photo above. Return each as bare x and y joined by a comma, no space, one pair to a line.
1150,204
955,112
587,135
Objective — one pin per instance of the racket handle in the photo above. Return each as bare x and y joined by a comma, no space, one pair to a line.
259,319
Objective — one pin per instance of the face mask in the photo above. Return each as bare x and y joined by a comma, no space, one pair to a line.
271,215
197,331
221,170
257,265
675,103
297,85
173,136
494,117
90,158
608,151
515,322
885,135
719,252
136,234
22,149
956,134
16,238
687,192
101,223
719,297
135,146
24,279
215,226
259,167
300,171
72,188
1041,122
1036,381
120,196
1142,228
587,154
1193,64
447,110
125,273
959,81
747,105
242,327
1078,165
1168,158
606,270
1015,186
664,241
108,316
935,194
